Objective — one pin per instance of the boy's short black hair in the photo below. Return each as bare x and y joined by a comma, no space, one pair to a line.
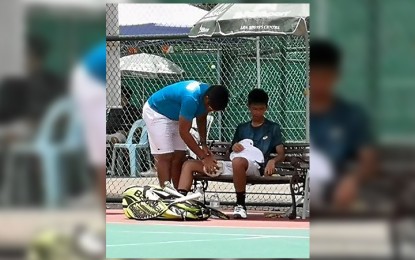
258,96
218,97
324,53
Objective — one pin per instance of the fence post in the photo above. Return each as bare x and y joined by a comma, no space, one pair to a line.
307,87
258,62
113,77
219,81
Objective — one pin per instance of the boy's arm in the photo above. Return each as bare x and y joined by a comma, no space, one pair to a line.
236,138
277,142
280,155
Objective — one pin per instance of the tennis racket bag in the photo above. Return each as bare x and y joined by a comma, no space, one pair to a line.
152,202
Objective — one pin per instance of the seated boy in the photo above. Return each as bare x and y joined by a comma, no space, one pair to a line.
265,135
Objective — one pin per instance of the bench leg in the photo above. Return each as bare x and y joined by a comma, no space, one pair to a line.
294,186
306,202
204,188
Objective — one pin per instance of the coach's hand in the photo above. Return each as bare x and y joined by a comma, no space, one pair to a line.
210,164
206,150
237,148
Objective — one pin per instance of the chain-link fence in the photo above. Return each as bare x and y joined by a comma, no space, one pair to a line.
276,64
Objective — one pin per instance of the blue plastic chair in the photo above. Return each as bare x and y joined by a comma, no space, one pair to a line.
134,148
50,152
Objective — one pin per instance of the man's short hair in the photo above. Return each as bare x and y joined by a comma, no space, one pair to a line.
218,97
324,53
258,96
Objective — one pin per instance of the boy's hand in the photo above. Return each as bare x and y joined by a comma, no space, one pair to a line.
237,148
270,168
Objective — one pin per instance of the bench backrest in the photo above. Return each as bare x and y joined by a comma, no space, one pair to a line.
220,150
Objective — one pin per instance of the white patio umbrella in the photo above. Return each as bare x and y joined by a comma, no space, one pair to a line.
260,19
148,66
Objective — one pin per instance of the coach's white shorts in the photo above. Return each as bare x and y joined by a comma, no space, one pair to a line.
90,97
253,168
163,133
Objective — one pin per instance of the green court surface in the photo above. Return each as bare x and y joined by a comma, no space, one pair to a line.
175,240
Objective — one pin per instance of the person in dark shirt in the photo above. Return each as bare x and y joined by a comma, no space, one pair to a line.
266,136
339,130
46,85
120,120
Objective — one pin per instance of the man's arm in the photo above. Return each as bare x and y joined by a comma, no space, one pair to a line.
184,130
201,128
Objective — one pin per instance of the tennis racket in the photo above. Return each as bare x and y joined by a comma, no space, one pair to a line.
146,209
171,190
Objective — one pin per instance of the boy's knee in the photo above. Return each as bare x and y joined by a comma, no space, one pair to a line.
187,165
240,162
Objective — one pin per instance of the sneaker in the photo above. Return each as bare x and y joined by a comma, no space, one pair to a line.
239,212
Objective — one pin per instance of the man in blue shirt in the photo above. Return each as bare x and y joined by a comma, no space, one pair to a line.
169,113
339,129
266,136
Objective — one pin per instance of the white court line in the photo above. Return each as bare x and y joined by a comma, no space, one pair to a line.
215,234
190,241
183,225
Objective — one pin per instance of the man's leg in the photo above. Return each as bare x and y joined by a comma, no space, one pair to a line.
160,131
163,166
179,157
186,178
239,167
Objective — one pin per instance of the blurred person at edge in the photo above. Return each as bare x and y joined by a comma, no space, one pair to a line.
88,87
340,134
36,91
46,86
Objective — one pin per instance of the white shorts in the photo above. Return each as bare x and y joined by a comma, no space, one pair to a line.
253,168
90,97
163,133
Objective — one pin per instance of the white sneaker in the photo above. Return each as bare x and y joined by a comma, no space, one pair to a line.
239,212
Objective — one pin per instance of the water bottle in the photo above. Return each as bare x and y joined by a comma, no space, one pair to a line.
214,201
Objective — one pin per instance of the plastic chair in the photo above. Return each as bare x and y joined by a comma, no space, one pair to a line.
51,153
133,148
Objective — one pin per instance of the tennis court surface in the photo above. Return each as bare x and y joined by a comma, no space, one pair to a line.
255,237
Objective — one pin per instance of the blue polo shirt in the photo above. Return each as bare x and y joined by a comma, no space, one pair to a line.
266,137
340,133
182,99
